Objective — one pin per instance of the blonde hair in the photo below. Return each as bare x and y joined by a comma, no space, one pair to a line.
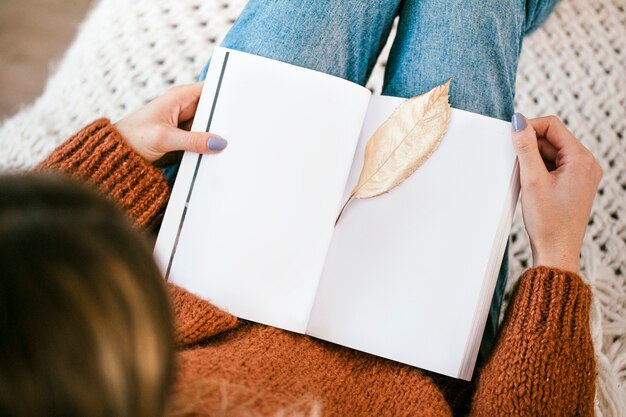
85,321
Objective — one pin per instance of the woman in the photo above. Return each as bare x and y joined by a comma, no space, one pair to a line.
543,363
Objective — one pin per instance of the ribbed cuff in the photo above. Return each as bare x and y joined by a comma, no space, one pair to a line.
195,319
551,299
544,362
99,155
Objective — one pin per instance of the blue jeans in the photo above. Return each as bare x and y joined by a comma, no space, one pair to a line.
476,42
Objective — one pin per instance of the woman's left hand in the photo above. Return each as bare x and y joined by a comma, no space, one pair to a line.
162,126
559,178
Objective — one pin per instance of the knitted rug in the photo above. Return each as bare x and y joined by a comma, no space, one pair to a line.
127,53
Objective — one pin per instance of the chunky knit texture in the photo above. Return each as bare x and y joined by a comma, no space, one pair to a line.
543,363
128,52
99,155
197,320
544,358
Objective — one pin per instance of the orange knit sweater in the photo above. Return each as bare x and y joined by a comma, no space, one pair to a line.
543,362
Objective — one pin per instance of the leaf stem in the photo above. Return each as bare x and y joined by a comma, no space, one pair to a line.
342,209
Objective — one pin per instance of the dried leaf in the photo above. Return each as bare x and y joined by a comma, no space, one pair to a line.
404,142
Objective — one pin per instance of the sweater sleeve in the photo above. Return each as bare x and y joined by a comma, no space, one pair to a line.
543,363
99,155
195,319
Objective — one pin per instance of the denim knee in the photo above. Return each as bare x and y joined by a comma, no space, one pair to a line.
476,42
537,11
338,37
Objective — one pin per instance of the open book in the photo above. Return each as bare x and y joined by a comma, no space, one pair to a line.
408,275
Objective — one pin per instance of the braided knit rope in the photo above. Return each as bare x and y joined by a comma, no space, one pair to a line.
126,53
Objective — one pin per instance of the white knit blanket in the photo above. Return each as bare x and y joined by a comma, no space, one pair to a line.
128,52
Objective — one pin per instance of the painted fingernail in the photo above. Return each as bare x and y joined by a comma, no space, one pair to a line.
216,143
518,122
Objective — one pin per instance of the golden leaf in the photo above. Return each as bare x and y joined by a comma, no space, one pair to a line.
404,142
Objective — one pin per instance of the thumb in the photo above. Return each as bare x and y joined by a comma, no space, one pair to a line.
200,142
525,143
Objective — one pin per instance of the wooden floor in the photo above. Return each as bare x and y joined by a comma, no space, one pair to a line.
33,35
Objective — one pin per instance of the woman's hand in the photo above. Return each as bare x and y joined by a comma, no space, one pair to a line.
162,125
559,178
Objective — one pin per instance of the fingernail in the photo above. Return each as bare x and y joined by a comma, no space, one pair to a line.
216,143
518,122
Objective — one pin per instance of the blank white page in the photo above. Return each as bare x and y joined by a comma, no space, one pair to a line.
405,270
261,213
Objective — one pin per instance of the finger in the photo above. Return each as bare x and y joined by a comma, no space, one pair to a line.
186,98
531,164
185,125
554,131
169,159
547,150
548,153
200,142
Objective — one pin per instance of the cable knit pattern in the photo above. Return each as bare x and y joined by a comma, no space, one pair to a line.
543,363
99,155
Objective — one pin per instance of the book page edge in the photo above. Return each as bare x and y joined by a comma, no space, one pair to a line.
486,293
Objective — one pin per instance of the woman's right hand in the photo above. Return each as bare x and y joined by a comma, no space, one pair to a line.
162,126
559,178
